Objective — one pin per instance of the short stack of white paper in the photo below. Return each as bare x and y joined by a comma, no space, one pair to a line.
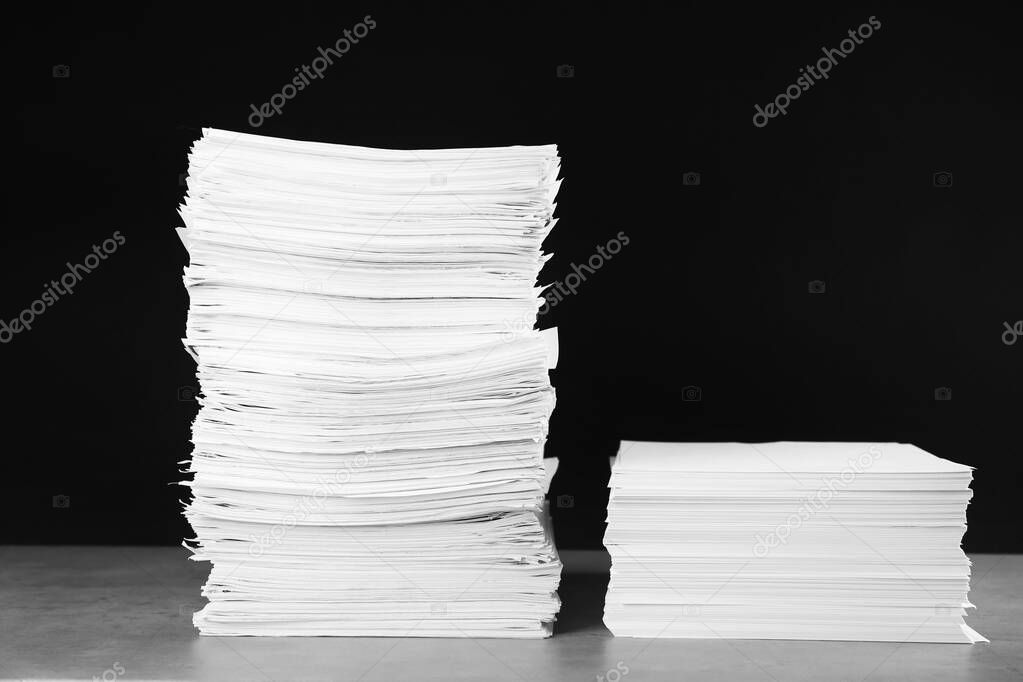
369,450
831,541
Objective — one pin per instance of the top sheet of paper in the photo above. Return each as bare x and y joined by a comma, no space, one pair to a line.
780,457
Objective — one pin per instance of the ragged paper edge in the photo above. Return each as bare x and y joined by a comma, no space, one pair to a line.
973,635
550,467
550,337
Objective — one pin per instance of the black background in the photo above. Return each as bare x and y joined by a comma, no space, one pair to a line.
711,291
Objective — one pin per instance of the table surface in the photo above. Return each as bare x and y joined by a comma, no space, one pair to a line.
114,613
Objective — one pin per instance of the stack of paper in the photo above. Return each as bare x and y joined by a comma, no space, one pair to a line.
369,451
840,541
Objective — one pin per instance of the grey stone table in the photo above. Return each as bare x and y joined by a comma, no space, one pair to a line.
124,613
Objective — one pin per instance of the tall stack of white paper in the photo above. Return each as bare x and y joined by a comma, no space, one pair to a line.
369,451
839,541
